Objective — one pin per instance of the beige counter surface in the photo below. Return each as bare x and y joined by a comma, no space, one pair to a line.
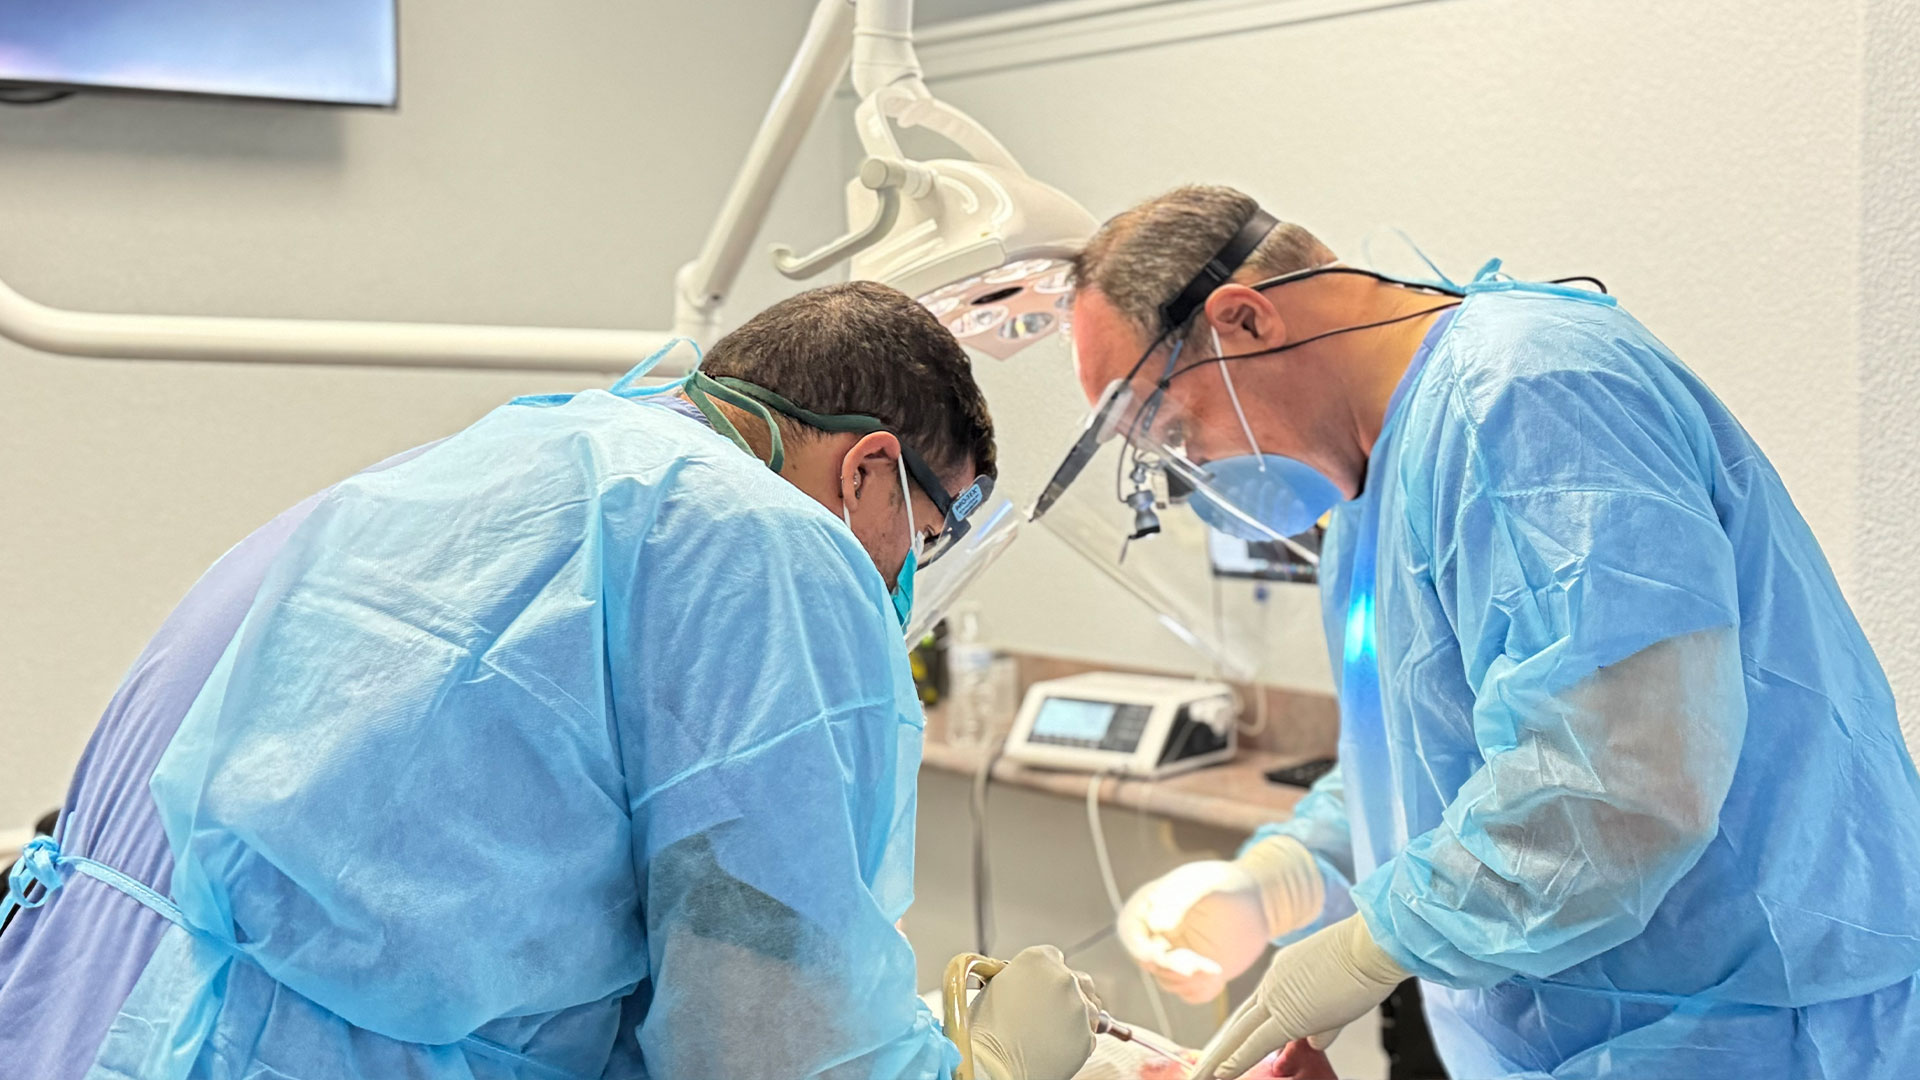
1234,796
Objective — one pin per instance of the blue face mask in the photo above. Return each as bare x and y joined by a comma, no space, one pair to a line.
1282,494
902,593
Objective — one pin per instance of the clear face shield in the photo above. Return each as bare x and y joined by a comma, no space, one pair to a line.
1196,506
976,530
1141,495
1167,458
939,582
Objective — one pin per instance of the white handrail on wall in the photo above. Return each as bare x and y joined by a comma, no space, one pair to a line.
701,285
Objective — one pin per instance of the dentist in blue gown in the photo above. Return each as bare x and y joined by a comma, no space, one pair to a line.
1620,780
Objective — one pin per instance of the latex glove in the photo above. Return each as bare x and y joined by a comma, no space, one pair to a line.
1034,1020
1205,923
1301,1060
1311,990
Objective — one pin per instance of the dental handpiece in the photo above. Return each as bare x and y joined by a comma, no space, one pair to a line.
1107,1025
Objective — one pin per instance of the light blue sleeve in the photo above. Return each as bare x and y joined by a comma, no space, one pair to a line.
1582,567
1319,822
771,743
395,792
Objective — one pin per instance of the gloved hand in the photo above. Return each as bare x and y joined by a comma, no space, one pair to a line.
1206,922
1034,1020
1311,990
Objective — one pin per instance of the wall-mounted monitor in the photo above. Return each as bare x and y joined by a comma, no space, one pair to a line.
340,52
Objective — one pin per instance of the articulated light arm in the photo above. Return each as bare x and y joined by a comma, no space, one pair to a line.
924,225
320,341
975,238
816,69
700,286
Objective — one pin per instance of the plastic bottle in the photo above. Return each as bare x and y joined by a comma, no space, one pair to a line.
970,676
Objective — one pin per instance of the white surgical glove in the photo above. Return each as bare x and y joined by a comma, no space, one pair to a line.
1312,989
1034,1020
1205,923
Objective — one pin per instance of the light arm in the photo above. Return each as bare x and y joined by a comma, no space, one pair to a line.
320,341
816,70
701,284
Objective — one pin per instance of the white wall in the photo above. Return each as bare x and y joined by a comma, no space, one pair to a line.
546,166
1706,159
1887,491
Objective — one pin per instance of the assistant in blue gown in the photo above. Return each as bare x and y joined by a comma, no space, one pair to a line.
58,987
1620,778
579,745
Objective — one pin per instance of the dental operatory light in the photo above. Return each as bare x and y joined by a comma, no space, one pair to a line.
977,240
1006,309
973,237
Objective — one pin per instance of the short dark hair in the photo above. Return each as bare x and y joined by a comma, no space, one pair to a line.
864,348
1143,257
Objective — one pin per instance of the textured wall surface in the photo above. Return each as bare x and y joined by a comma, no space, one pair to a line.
1888,492
541,169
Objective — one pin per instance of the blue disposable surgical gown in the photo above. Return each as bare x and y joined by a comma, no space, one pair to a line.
578,745
1620,777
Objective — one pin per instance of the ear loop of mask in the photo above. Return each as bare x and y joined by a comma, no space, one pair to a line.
1233,395
913,533
906,493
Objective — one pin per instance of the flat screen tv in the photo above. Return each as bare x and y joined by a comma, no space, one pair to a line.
340,52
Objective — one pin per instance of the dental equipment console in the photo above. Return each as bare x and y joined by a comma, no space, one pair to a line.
1141,726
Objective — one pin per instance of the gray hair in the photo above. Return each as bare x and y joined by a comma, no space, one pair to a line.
1143,257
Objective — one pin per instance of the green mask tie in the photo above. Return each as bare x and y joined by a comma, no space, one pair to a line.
702,388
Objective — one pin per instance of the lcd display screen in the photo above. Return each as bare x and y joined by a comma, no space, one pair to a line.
334,51
1069,718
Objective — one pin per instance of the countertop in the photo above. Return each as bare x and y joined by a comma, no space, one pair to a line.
1233,796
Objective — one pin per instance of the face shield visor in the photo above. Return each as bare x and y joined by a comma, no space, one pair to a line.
1168,490
1165,458
991,530
1138,497
1183,426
